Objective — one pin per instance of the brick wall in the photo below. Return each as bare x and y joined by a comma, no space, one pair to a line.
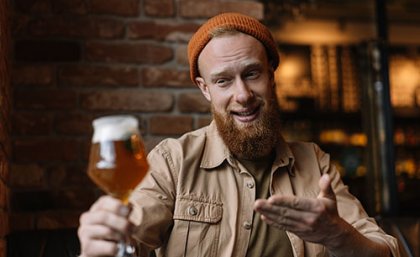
75,60
5,99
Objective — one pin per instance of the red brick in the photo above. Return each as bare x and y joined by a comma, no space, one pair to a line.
38,75
7,147
33,6
117,7
38,150
5,152
47,51
21,221
32,123
69,6
165,77
68,176
45,99
170,125
159,8
4,129
75,199
20,23
31,200
86,149
94,76
4,223
209,8
151,141
181,55
57,220
128,52
4,73
193,102
27,176
128,100
5,132
4,165
79,27
3,247
4,195
5,103
74,124
169,31
5,126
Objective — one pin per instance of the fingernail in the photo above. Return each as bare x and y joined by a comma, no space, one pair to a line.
124,211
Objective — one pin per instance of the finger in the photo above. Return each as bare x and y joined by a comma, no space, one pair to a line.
107,219
293,202
99,248
325,187
287,216
265,207
99,232
111,204
290,225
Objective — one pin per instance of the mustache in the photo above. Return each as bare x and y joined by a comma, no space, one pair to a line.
255,140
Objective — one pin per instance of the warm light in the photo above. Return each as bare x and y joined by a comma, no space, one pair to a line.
404,78
316,31
291,68
407,74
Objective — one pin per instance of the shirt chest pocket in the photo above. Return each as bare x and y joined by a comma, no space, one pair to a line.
196,227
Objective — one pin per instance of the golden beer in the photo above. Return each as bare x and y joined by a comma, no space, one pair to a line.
117,161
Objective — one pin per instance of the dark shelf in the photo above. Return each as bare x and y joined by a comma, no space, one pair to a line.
406,115
317,116
399,114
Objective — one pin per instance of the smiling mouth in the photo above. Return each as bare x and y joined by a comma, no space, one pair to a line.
247,115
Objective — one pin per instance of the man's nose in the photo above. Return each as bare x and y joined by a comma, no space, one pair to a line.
243,93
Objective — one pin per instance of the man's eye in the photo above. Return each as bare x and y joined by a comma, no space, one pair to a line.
221,82
252,74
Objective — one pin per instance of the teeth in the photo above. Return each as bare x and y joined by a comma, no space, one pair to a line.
246,113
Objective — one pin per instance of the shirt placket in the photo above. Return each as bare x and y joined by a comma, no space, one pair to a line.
245,213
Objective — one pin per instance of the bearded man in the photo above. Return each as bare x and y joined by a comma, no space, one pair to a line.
235,187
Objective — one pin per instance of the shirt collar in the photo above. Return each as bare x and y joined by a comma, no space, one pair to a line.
216,152
284,157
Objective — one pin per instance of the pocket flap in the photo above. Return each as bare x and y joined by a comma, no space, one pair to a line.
198,209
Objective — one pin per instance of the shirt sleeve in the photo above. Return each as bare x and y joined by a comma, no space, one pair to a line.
153,202
350,208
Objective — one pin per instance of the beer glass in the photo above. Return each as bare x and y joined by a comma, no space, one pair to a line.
117,161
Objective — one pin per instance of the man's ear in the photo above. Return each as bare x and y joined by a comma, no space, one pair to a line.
203,87
272,77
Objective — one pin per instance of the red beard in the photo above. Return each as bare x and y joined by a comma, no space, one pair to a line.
254,141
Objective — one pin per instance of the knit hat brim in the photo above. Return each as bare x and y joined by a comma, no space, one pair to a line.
235,21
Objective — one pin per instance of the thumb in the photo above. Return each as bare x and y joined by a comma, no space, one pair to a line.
325,187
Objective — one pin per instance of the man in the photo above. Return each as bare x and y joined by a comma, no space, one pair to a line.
235,187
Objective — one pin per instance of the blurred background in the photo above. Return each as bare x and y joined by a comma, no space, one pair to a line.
349,80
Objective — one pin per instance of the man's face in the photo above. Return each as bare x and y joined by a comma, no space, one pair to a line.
237,79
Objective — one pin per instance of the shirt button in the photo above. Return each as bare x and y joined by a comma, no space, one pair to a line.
247,225
192,211
250,184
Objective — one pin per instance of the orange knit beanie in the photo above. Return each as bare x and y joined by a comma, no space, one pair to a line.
237,21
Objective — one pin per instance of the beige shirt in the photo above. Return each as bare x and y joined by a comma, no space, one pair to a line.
265,240
196,201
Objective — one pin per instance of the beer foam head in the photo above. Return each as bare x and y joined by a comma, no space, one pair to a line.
114,128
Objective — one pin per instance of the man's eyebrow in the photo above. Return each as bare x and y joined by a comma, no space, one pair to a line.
253,65
219,73
245,67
